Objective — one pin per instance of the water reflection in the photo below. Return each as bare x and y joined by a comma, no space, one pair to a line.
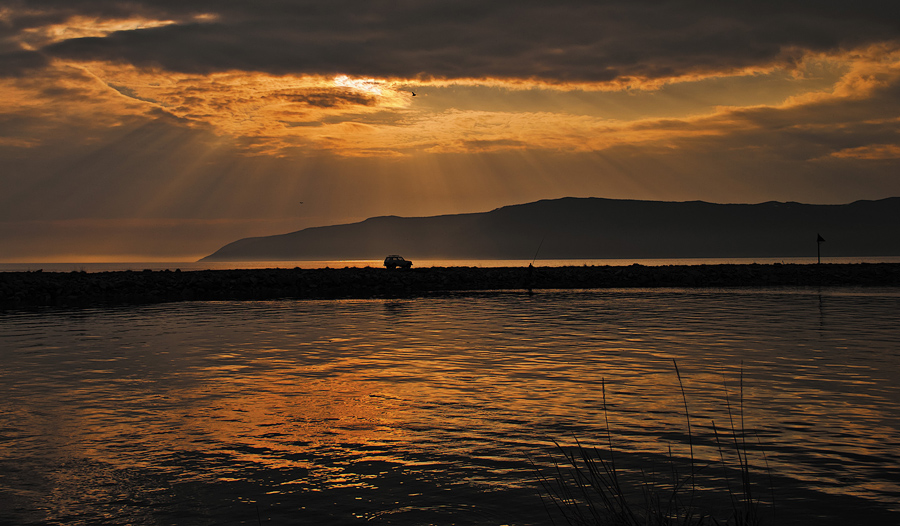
413,411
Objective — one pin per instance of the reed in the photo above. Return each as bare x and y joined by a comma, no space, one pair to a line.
587,487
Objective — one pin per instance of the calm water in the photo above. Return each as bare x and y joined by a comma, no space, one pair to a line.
425,411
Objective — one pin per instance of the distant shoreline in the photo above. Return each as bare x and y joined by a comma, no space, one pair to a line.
92,267
28,289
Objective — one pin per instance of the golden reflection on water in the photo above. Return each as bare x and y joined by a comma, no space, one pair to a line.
366,397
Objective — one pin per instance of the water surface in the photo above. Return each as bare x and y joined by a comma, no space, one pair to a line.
425,411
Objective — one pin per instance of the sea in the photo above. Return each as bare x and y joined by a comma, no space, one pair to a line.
459,409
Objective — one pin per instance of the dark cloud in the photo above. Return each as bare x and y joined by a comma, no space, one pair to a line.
303,124
556,41
19,63
382,118
804,139
819,129
318,98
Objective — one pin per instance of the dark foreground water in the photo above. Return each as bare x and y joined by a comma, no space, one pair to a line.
425,411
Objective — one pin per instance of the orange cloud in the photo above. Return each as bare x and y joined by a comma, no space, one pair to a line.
359,117
875,152
81,27
59,99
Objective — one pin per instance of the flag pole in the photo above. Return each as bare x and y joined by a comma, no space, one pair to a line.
819,241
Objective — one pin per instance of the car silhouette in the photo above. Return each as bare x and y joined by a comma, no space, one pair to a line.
394,261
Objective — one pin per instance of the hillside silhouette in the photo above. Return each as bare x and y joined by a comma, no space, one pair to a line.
595,228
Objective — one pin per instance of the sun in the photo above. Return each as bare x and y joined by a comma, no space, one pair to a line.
387,93
370,86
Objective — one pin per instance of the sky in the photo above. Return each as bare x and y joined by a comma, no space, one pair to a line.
162,130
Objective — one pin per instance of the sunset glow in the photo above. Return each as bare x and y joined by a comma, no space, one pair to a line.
449,262
85,90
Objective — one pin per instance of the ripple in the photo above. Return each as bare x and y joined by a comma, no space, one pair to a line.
402,410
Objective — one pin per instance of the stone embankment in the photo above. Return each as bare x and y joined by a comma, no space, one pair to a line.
22,289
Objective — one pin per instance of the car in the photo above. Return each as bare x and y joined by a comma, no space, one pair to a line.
394,261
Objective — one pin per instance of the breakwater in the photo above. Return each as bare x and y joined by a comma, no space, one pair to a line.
22,289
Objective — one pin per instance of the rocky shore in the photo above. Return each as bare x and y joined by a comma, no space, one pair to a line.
25,289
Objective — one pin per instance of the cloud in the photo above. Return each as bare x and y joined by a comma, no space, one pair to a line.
876,152
266,114
574,41
19,63
322,98
231,109
273,114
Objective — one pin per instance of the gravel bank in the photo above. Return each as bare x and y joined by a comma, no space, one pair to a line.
23,289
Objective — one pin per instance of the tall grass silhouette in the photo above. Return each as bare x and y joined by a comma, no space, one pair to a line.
588,487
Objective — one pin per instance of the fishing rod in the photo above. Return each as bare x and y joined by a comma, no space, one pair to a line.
538,250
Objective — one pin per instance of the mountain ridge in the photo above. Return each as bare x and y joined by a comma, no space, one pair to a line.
596,228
